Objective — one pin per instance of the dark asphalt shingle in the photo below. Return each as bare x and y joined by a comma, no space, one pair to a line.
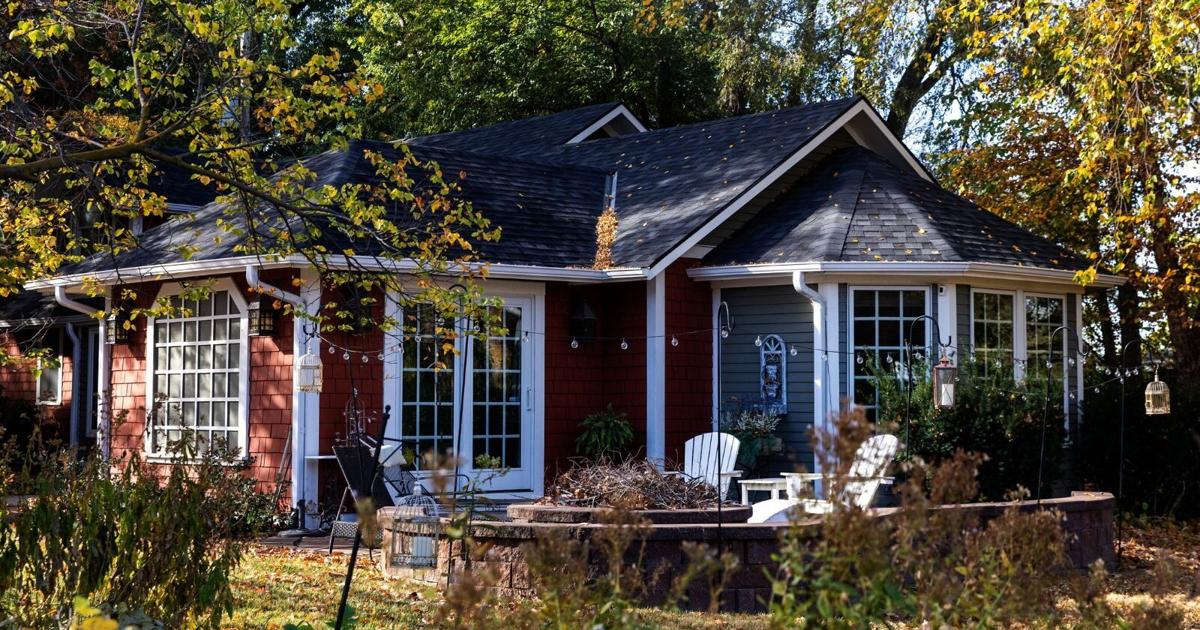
856,206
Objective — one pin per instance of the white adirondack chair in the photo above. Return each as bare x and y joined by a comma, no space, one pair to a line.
712,457
860,485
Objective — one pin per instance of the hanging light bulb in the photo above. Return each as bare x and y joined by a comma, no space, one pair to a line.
674,341
792,350
858,359
1071,362
345,356
724,332
330,349
574,343
758,341
364,357
624,345
525,336
379,356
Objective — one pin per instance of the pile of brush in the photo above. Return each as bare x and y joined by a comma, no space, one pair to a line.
631,485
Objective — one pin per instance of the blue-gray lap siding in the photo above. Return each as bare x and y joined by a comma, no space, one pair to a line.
775,310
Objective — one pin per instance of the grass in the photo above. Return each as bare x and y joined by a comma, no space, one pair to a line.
275,586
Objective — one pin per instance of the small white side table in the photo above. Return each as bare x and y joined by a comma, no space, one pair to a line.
775,485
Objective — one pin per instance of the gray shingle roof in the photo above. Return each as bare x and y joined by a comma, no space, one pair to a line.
527,136
856,206
671,181
546,213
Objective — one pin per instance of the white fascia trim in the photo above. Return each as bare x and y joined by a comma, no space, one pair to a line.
783,271
619,110
908,156
187,269
749,194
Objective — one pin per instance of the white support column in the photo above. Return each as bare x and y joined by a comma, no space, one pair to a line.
103,380
306,406
828,359
656,369
947,319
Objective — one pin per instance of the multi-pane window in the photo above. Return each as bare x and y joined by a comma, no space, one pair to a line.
427,385
197,374
992,331
881,328
496,389
49,382
1044,355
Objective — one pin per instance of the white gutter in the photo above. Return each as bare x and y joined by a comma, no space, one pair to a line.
186,269
932,269
272,290
60,297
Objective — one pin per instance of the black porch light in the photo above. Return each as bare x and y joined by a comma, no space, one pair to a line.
119,326
584,323
945,377
261,317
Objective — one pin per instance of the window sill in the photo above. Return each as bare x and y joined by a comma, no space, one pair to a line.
173,459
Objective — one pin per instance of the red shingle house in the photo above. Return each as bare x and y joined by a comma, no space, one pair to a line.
755,256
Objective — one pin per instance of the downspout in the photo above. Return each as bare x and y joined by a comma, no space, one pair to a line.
270,289
820,316
298,435
60,297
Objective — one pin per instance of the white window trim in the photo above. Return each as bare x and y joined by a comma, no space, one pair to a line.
171,289
851,359
534,393
57,400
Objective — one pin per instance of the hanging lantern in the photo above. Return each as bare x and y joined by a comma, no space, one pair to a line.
1158,397
945,376
260,317
584,323
119,327
308,373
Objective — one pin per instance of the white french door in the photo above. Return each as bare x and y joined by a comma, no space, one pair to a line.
477,400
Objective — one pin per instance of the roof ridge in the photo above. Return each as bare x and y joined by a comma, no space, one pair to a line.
520,159
607,105
862,177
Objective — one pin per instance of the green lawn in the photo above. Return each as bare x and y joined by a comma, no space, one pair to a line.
275,586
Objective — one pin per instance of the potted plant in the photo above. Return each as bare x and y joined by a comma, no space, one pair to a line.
755,428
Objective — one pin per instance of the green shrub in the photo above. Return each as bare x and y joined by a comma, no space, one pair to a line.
606,435
142,540
994,415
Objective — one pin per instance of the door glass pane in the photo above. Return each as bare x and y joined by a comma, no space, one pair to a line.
497,366
426,389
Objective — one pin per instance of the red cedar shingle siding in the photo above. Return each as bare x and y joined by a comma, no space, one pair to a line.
689,365
270,400
17,381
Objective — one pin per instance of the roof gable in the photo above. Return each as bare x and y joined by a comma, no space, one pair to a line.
858,207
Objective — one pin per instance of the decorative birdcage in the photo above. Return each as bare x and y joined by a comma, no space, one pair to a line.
416,531
308,373
1158,397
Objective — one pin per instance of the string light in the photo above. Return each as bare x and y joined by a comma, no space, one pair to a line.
574,343
624,345
758,341
724,333
674,341
345,356
792,350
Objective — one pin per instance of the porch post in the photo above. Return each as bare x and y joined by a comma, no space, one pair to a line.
947,319
306,406
656,369
103,378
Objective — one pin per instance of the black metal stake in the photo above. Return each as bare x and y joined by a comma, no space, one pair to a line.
908,385
341,615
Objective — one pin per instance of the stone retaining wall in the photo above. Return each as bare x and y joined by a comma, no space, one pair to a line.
499,547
